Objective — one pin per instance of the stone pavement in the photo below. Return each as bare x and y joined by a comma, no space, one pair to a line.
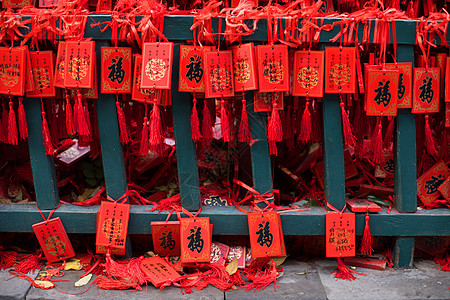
300,280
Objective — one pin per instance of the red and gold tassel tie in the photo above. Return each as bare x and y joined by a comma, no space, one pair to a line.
23,127
195,123
245,135
13,135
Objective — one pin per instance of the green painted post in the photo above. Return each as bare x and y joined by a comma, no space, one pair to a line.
185,146
333,151
261,164
404,252
42,165
112,156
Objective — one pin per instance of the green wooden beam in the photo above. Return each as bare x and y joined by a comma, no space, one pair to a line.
185,146
42,165
404,252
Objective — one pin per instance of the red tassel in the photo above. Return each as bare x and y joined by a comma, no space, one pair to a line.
23,127
123,129
377,143
144,146
31,262
4,124
80,118
7,259
207,131
444,263
349,138
69,117
389,133
430,142
342,272
245,135
274,130
305,128
366,243
195,123
259,283
108,283
156,130
46,136
13,135
224,122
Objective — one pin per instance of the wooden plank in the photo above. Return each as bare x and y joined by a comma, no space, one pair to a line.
404,252
42,165
108,126
261,164
185,146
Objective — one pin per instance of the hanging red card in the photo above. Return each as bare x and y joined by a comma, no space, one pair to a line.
157,61
42,66
48,3
112,224
340,234
112,250
429,182
79,64
192,71
53,240
308,73
166,238
425,90
60,64
382,91
93,92
340,70
12,70
175,262
265,235
219,74
263,101
116,70
386,168
404,83
244,67
139,94
447,81
29,81
195,236
157,270
219,253
273,68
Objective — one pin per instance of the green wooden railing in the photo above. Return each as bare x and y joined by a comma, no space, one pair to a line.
404,222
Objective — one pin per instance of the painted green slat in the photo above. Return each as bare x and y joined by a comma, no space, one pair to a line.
333,151
405,149
230,221
185,146
404,253
261,164
42,165
108,126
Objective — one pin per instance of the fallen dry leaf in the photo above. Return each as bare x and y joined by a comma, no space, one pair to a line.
84,280
232,266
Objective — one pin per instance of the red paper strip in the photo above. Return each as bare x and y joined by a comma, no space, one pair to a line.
116,70
192,71
195,236
273,68
53,240
42,68
340,234
308,73
429,182
158,270
404,83
219,74
340,70
263,101
425,90
12,70
244,67
157,60
112,225
166,238
265,234
382,93
60,65
79,64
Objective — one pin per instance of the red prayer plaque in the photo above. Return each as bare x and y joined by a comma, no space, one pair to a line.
404,93
116,70
157,61
265,234
16,3
48,3
192,71
12,70
362,205
447,114
79,64
219,253
263,101
382,93
308,73
112,250
273,68
219,74
157,270
175,262
93,92
29,80
166,238
240,253
139,94
447,81
42,66
112,224
425,90
429,182
195,236
340,234
444,189
60,64
386,168
244,67
441,59
53,240
340,70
